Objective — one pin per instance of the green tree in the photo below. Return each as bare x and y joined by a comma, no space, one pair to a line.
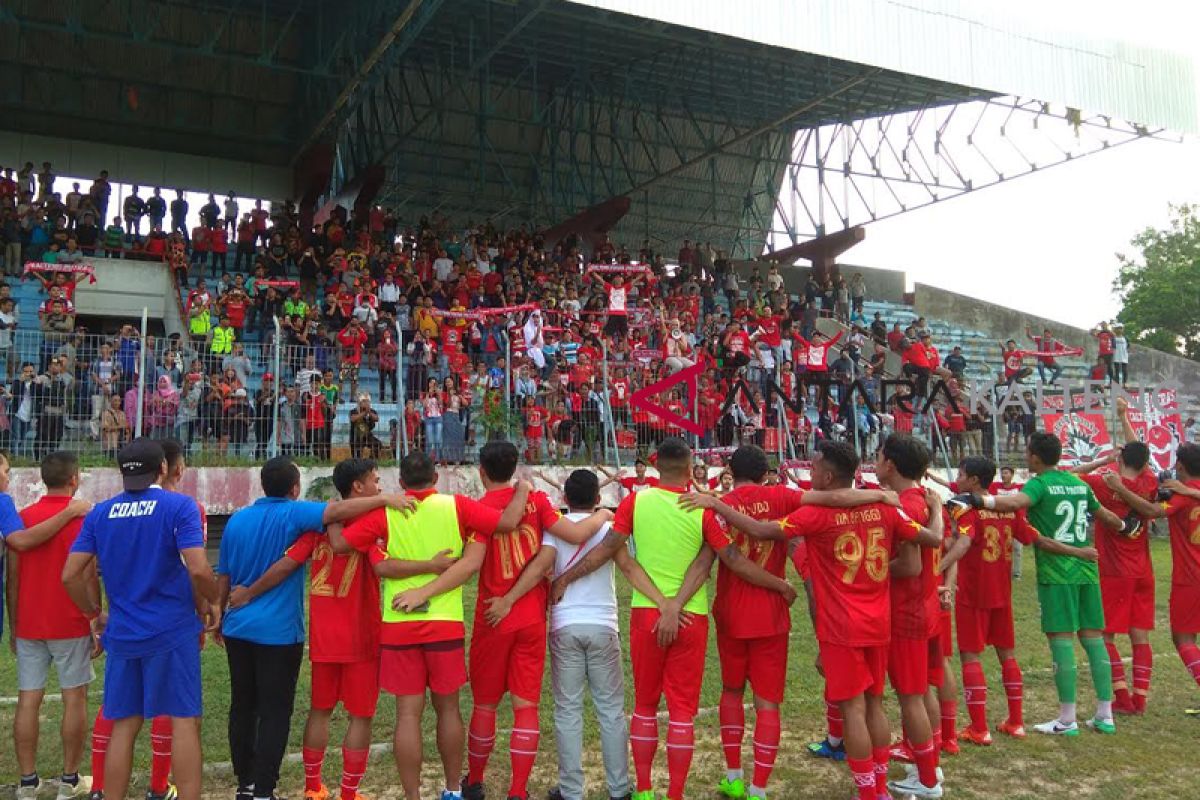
1160,286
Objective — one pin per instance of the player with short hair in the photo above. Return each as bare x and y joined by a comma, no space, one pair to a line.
915,653
422,633
1058,504
343,601
669,543
1126,570
161,787
849,551
264,640
48,628
148,545
508,638
752,619
982,553
1182,510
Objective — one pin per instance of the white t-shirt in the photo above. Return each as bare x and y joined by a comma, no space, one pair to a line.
591,600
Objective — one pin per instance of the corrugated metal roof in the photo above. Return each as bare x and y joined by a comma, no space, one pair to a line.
959,41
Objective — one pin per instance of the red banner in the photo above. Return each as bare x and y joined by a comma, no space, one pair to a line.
1084,437
1157,422
42,266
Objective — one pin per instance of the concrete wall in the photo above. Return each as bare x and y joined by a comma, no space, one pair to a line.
1146,366
133,164
123,287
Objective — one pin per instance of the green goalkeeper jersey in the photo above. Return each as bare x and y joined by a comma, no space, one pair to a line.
1060,504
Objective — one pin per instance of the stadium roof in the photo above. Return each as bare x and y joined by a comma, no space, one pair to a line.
537,109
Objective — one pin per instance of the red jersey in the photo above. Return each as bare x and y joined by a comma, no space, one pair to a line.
369,533
910,596
343,602
738,343
743,610
634,485
849,551
619,397
1183,516
236,311
535,418
985,571
352,345
44,609
507,555
1013,359
1123,556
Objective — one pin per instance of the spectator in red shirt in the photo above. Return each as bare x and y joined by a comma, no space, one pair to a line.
1046,345
1105,341
352,339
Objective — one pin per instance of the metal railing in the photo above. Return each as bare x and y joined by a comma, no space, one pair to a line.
233,401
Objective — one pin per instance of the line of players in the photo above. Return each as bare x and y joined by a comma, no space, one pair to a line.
865,559
879,590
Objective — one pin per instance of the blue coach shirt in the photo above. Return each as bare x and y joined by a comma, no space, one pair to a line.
10,522
254,539
136,538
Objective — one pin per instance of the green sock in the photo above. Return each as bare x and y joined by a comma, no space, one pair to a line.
1097,656
1062,651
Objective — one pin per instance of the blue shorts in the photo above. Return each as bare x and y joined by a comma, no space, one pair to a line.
166,683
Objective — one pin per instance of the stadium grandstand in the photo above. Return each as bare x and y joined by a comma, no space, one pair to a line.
386,227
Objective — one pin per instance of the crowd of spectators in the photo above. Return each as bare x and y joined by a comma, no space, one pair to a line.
465,332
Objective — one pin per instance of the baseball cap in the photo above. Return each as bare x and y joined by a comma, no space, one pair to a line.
140,462
268,376
239,393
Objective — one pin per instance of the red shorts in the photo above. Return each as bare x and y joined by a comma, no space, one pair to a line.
1185,608
767,672
851,671
410,669
676,671
512,661
355,685
979,628
946,634
1128,603
911,664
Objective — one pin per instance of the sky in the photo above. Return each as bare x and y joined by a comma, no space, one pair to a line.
1054,235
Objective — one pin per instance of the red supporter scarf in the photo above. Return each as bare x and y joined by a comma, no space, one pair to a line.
42,266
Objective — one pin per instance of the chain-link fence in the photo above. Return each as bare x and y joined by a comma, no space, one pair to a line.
381,392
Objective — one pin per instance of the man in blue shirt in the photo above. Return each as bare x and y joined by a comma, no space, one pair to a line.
148,544
264,641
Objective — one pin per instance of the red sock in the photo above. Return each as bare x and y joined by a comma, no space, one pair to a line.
864,777
1190,654
160,754
643,742
313,759
101,733
833,719
1120,685
949,720
880,756
766,745
522,748
1014,690
925,757
354,766
681,740
1143,668
481,739
975,691
733,728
